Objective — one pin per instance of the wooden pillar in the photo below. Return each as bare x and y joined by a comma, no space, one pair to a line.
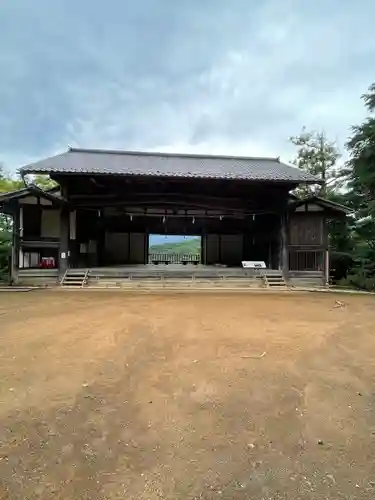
204,248
284,251
64,240
219,248
100,238
326,251
16,245
326,267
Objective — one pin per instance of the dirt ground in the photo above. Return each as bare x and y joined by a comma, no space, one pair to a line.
113,396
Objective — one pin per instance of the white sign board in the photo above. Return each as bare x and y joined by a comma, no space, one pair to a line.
253,264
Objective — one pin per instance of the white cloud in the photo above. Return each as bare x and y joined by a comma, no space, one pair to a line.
212,77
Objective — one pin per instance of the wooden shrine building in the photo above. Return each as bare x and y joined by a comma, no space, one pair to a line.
107,203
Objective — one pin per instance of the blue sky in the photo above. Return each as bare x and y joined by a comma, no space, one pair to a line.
213,76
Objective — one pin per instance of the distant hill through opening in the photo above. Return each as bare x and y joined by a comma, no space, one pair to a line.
174,248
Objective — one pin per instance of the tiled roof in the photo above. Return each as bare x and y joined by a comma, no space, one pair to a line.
92,161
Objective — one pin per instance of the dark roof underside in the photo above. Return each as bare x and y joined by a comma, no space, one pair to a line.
32,190
100,162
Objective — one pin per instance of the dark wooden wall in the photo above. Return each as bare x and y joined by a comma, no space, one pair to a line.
308,241
306,229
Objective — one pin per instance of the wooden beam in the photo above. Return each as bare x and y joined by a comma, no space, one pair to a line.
179,199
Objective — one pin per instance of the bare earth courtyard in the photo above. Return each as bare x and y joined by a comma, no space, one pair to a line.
113,396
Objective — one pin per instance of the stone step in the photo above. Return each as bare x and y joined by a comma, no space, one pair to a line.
274,280
75,278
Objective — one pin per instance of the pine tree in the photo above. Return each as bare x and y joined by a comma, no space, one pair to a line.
317,156
361,194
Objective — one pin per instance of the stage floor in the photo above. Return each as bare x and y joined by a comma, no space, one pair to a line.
159,269
166,270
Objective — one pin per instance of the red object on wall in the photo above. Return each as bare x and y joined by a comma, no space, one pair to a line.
47,263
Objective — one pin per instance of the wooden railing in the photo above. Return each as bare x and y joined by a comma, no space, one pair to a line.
37,237
174,258
306,260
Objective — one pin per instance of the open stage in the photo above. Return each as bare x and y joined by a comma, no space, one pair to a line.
162,276
119,276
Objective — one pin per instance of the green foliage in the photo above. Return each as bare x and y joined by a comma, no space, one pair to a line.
369,98
43,181
5,251
353,240
362,160
361,195
358,280
341,262
11,183
7,183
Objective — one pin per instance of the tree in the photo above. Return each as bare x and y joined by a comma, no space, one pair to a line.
7,183
5,250
43,181
318,156
361,194
362,160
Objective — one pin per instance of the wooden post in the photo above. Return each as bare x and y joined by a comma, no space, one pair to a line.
326,251
64,241
284,252
16,245
326,267
100,238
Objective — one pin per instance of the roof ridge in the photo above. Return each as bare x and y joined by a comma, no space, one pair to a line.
169,154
